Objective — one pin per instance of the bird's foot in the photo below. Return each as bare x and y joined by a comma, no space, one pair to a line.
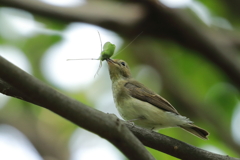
152,129
131,123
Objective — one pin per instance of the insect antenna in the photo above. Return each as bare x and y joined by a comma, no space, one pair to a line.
100,65
128,44
82,59
100,40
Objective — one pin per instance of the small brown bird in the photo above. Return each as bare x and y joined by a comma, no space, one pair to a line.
146,109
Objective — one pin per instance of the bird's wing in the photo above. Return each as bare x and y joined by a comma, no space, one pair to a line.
137,90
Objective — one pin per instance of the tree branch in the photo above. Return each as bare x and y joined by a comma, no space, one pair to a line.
178,26
174,147
106,126
94,12
93,120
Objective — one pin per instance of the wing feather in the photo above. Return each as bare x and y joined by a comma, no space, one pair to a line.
137,90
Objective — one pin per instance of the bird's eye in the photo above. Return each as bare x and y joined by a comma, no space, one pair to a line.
123,64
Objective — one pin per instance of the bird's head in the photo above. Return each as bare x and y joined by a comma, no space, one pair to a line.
118,69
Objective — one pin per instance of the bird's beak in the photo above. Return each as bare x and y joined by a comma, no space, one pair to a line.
111,61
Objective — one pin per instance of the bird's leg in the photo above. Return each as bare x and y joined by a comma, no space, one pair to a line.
100,65
131,121
152,129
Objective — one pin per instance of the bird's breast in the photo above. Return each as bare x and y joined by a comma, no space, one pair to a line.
119,92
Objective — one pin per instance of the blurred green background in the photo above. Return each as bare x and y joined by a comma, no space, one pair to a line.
40,45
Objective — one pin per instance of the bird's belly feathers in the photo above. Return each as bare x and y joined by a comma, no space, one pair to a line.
148,116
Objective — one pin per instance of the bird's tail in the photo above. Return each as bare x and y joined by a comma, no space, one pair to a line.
197,131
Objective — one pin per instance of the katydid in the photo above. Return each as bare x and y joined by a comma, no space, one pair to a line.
108,50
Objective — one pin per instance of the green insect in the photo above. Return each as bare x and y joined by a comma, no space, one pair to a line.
108,50
106,53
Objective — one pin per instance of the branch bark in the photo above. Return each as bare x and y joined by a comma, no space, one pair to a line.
104,125
99,13
174,147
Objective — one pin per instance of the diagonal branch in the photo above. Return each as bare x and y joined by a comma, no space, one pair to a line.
106,126
95,121
92,12
174,147
163,22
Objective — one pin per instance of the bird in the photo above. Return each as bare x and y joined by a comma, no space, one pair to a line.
143,107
